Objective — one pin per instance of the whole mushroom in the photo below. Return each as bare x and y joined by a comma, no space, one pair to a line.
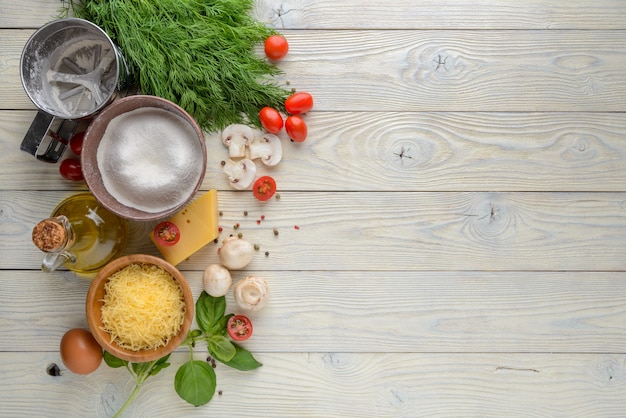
240,173
268,148
236,253
237,137
250,293
216,280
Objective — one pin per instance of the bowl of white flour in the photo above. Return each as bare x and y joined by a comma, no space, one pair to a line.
143,157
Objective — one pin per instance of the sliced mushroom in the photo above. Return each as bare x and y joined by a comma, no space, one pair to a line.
250,293
240,173
237,137
216,280
268,148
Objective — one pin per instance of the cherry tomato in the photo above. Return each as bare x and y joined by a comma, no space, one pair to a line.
239,327
264,187
271,120
76,143
166,234
276,47
299,103
296,128
70,169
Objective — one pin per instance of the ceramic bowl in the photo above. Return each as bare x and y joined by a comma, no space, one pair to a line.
94,303
143,157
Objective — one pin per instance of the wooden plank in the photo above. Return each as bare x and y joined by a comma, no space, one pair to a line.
399,14
442,14
459,70
398,230
434,70
360,311
31,14
420,152
337,385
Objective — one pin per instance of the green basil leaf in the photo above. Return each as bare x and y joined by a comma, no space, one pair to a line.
141,369
243,360
195,382
221,348
220,327
159,365
113,361
209,310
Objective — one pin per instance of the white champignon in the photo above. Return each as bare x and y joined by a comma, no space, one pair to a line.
236,253
237,137
216,280
250,293
268,148
240,173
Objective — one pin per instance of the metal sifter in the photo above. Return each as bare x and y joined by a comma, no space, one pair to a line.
70,70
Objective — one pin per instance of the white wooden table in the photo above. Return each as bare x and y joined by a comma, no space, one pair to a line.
461,201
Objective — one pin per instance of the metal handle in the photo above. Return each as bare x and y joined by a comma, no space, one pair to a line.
40,129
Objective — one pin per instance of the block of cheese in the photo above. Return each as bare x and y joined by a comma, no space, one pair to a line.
196,225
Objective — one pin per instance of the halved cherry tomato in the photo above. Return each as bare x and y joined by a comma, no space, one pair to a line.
76,143
296,128
239,327
299,103
271,119
166,234
264,187
276,47
71,170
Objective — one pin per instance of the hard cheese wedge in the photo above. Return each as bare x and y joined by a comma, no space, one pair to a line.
198,225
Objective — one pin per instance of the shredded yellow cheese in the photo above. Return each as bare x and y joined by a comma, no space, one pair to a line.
143,307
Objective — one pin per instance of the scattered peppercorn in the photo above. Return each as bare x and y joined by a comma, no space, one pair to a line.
220,229
258,222
245,213
221,213
262,217
267,253
257,247
215,241
223,163
240,235
277,195
219,392
275,231
236,226
296,227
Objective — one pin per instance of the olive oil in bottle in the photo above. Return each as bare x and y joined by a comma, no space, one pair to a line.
81,235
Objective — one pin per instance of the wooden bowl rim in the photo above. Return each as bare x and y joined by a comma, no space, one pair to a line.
93,305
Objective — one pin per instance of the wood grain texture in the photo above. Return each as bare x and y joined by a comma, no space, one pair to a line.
403,151
442,14
339,384
395,230
369,70
361,311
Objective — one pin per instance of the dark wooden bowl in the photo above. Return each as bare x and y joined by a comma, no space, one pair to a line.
94,304
93,137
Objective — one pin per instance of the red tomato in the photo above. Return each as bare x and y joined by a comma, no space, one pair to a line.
276,47
166,234
70,169
76,143
264,187
296,128
271,120
299,103
239,327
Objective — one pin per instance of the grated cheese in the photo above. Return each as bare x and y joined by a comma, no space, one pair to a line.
143,307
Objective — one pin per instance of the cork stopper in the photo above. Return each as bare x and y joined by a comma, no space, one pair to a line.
49,235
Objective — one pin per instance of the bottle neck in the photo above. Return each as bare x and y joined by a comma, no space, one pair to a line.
53,235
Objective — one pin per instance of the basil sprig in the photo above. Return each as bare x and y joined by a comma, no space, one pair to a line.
195,381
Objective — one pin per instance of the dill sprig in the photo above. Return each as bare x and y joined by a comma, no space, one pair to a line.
199,54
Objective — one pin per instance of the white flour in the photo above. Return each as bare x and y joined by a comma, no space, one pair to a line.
150,159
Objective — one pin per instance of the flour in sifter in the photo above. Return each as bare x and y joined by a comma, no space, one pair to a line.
150,159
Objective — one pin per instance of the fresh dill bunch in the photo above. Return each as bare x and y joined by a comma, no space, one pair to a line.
199,54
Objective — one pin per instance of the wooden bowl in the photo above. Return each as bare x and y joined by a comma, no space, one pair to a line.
94,303
150,164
